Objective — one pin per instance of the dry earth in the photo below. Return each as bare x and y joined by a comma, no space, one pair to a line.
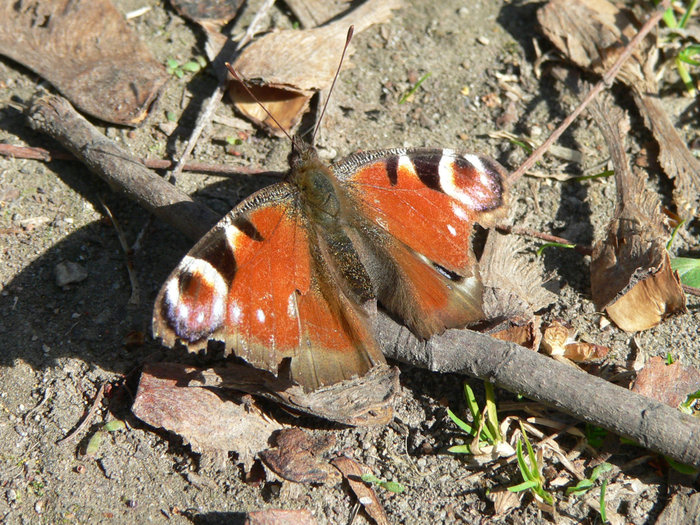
60,344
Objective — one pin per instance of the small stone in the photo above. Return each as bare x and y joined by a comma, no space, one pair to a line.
69,272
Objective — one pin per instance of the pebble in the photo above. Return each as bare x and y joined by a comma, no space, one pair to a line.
69,272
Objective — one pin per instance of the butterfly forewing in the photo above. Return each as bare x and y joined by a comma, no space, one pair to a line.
257,283
418,209
427,199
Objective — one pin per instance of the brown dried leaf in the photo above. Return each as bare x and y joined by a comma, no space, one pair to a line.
312,13
361,401
352,471
631,275
558,339
280,517
527,334
298,457
288,66
88,52
210,423
512,286
591,33
504,500
669,384
213,15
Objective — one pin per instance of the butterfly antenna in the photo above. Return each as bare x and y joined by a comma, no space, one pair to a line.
252,95
351,30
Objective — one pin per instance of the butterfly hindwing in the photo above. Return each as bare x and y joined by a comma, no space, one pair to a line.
259,283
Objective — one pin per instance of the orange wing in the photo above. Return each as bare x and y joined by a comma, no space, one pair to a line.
420,207
257,283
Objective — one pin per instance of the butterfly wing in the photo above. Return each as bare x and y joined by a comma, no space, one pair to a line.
417,210
256,283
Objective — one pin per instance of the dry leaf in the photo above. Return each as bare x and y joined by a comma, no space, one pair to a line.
512,286
210,423
559,339
361,401
504,500
631,275
280,517
285,68
527,335
212,15
669,384
298,457
352,471
88,52
591,33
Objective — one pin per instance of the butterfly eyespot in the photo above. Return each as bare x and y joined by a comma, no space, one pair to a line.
193,303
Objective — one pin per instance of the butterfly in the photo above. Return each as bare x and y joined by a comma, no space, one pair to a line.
289,279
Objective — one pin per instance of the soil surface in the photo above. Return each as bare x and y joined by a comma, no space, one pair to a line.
59,345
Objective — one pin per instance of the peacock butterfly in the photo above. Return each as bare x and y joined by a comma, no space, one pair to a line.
291,275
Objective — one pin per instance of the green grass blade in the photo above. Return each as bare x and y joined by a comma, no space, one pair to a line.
411,91
525,485
461,424
688,269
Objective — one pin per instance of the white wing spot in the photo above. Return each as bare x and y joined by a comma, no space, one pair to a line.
447,180
236,313
260,315
459,212
292,306
452,230
406,164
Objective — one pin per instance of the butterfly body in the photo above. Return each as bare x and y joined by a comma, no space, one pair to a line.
289,279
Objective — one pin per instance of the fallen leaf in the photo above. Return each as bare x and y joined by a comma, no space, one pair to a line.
285,68
210,423
213,15
631,275
513,287
669,384
559,339
298,457
88,52
352,471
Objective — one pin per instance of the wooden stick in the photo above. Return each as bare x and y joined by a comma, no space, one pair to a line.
116,166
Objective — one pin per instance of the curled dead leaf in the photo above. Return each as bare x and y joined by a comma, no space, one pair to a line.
631,275
559,339
210,423
285,68
352,471
298,457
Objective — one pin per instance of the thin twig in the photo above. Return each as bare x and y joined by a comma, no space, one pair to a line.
135,289
580,248
691,290
222,170
604,82
86,421
213,101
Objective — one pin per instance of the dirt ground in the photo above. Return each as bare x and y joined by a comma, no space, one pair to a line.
60,344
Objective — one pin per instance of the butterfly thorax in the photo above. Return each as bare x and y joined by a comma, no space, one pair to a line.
316,183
